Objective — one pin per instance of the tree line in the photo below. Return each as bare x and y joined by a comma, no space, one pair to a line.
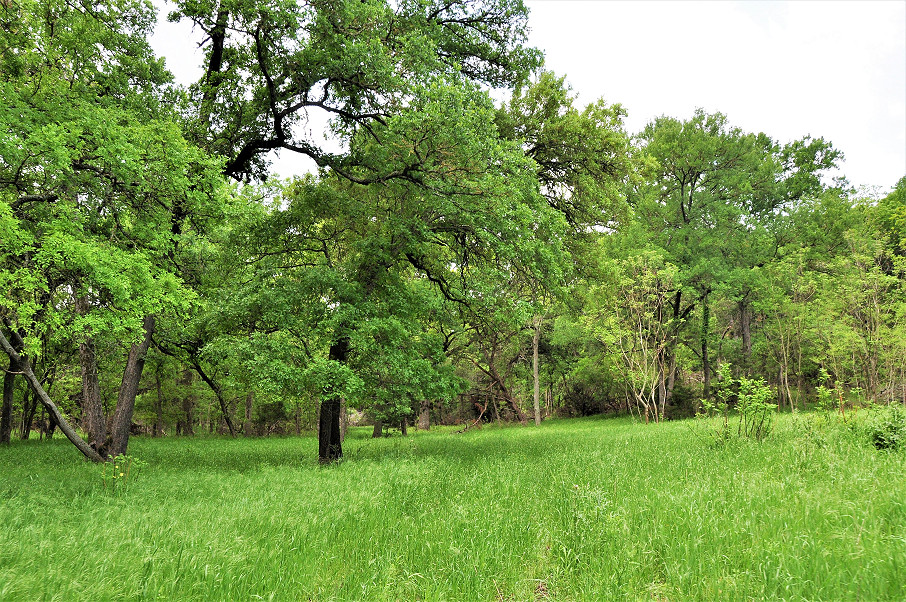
448,257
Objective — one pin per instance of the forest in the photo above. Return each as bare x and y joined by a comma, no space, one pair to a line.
448,258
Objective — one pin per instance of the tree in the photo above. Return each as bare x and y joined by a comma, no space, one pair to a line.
582,163
98,191
270,69
710,192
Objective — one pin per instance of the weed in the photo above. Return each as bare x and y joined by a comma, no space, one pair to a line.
116,471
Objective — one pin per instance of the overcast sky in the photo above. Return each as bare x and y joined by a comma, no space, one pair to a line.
833,69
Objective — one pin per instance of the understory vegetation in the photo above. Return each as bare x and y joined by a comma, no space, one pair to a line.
579,509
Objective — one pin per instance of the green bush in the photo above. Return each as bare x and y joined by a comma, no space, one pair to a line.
886,427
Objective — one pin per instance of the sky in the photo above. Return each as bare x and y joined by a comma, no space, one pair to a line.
789,69
834,69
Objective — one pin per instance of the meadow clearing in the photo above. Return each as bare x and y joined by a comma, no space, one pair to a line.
579,509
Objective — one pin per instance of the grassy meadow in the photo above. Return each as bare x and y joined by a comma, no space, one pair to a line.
588,509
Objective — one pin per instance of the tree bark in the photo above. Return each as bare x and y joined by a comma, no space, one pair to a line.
706,362
745,331
330,448
247,424
94,423
536,376
45,400
186,424
125,402
29,406
378,429
158,428
330,444
424,416
6,411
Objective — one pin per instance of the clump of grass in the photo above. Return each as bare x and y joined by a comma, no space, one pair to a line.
588,509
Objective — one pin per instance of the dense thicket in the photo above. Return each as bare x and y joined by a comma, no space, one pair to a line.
450,258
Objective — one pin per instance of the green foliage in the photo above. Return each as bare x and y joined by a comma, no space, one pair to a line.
886,427
756,407
753,401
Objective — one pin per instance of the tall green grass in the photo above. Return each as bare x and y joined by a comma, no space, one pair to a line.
588,509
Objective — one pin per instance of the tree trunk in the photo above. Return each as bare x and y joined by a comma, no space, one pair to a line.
94,423
404,427
247,424
344,420
378,429
745,331
158,429
706,362
45,400
424,416
188,403
6,411
330,445
536,377
29,406
125,402
330,448
218,393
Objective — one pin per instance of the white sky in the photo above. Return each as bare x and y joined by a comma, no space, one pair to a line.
833,69
788,68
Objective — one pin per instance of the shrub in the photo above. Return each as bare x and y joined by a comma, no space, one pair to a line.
886,428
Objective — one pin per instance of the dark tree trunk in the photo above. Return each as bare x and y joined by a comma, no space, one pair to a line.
247,424
330,448
186,425
378,429
6,411
125,403
404,427
158,429
706,362
218,393
330,443
745,331
29,406
536,374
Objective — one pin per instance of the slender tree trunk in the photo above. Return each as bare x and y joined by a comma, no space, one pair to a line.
6,411
218,393
247,423
188,402
536,374
125,402
45,400
158,429
404,427
745,331
29,406
706,362
344,420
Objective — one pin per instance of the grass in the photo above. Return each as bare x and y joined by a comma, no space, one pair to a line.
589,509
